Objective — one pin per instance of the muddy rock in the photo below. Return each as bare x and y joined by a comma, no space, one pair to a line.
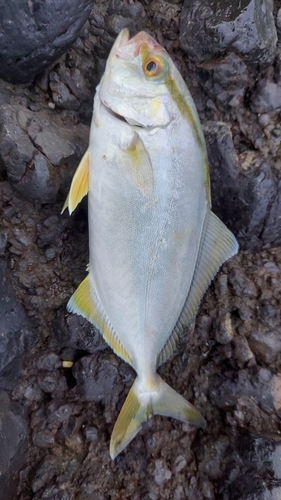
77,333
225,80
34,34
13,444
243,194
260,477
247,28
17,334
266,96
99,377
35,150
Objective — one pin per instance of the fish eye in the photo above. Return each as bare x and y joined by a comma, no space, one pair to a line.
153,66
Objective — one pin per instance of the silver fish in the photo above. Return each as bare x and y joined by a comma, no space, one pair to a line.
155,244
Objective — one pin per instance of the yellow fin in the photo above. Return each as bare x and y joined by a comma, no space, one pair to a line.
218,244
80,184
85,302
136,166
138,407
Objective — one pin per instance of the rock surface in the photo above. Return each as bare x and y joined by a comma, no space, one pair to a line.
13,445
17,335
36,33
72,386
33,154
208,29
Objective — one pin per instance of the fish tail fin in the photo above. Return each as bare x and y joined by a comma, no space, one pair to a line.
140,404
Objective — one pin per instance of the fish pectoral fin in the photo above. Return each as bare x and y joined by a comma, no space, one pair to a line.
136,166
137,410
218,244
79,185
85,302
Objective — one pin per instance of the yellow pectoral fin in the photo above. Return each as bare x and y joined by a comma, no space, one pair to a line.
85,302
80,184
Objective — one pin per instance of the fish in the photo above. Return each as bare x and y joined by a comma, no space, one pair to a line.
154,242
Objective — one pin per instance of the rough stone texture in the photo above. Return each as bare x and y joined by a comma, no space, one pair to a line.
17,335
208,29
228,365
36,33
34,155
244,190
266,96
13,445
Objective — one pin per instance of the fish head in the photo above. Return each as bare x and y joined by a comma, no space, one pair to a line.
134,85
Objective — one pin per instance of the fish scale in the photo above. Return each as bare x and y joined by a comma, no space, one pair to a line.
154,242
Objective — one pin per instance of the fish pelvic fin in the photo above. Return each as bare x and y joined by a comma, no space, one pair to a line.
141,404
80,184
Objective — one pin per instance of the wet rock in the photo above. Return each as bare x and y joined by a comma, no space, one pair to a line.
241,197
98,378
120,13
45,472
76,332
3,242
224,331
247,28
261,475
34,34
262,387
159,471
266,96
266,344
34,146
17,335
58,412
225,80
50,382
13,444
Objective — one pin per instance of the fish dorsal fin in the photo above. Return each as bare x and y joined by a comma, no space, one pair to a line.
136,166
218,244
79,185
85,302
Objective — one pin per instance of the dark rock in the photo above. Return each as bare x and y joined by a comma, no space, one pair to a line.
209,29
3,242
17,335
33,146
45,472
266,96
225,80
51,381
242,198
34,34
261,475
76,332
58,412
97,377
13,445
225,390
266,345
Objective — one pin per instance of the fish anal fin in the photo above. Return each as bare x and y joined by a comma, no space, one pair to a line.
139,406
85,302
218,244
79,185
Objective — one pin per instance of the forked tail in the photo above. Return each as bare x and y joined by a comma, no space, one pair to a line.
140,405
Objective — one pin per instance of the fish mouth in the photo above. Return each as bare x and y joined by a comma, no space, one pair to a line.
121,118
